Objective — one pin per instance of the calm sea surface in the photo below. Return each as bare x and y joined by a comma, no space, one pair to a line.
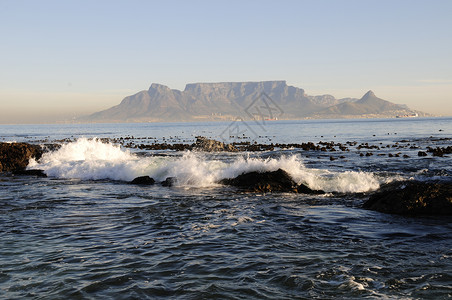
85,233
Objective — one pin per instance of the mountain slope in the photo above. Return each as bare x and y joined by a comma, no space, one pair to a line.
369,105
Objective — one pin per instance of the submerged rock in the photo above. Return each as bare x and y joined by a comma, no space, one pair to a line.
205,144
275,181
413,198
144,180
16,156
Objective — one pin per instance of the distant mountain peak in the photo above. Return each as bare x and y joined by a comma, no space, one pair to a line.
369,94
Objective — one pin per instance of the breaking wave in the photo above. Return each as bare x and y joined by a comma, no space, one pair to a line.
91,159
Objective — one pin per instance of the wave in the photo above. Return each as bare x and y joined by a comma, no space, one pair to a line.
91,159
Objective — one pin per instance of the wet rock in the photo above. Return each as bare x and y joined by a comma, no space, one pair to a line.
278,181
263,182
440,151
169,181
16,156
33,172
303,189
421,153
413,198
205,144
143,180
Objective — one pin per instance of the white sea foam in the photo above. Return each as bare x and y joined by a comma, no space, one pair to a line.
93,160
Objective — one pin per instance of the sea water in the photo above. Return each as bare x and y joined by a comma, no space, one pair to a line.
84,232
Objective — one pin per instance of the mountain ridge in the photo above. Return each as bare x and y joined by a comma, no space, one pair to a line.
223,101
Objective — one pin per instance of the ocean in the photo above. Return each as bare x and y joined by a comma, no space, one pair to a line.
84,232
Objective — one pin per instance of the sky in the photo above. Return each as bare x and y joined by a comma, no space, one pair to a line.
63,59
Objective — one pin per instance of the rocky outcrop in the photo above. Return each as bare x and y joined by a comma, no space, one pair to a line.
143,180
14,157
205,144
413,198
264,182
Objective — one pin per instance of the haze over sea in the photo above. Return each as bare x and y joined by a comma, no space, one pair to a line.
84,232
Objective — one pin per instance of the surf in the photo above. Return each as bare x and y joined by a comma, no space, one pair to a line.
92,159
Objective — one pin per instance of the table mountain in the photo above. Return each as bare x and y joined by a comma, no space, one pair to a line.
266,100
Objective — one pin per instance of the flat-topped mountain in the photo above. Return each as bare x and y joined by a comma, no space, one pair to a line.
243,100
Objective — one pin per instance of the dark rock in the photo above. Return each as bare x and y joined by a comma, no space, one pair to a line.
34,172
169,181
275,181
413,198
421,153
208,145
278,180
440,151
144,180
16,156
51,147
303,189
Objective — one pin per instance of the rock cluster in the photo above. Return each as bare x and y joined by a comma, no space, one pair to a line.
440,151
208,145
413,198
14,157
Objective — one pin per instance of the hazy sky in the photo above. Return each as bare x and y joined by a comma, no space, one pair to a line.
60,59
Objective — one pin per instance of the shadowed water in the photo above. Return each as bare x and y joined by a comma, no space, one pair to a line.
104,239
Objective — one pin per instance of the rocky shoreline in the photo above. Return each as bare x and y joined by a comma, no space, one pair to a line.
14,157
403,198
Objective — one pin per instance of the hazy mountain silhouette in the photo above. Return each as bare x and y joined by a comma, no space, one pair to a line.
368,104
245,100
